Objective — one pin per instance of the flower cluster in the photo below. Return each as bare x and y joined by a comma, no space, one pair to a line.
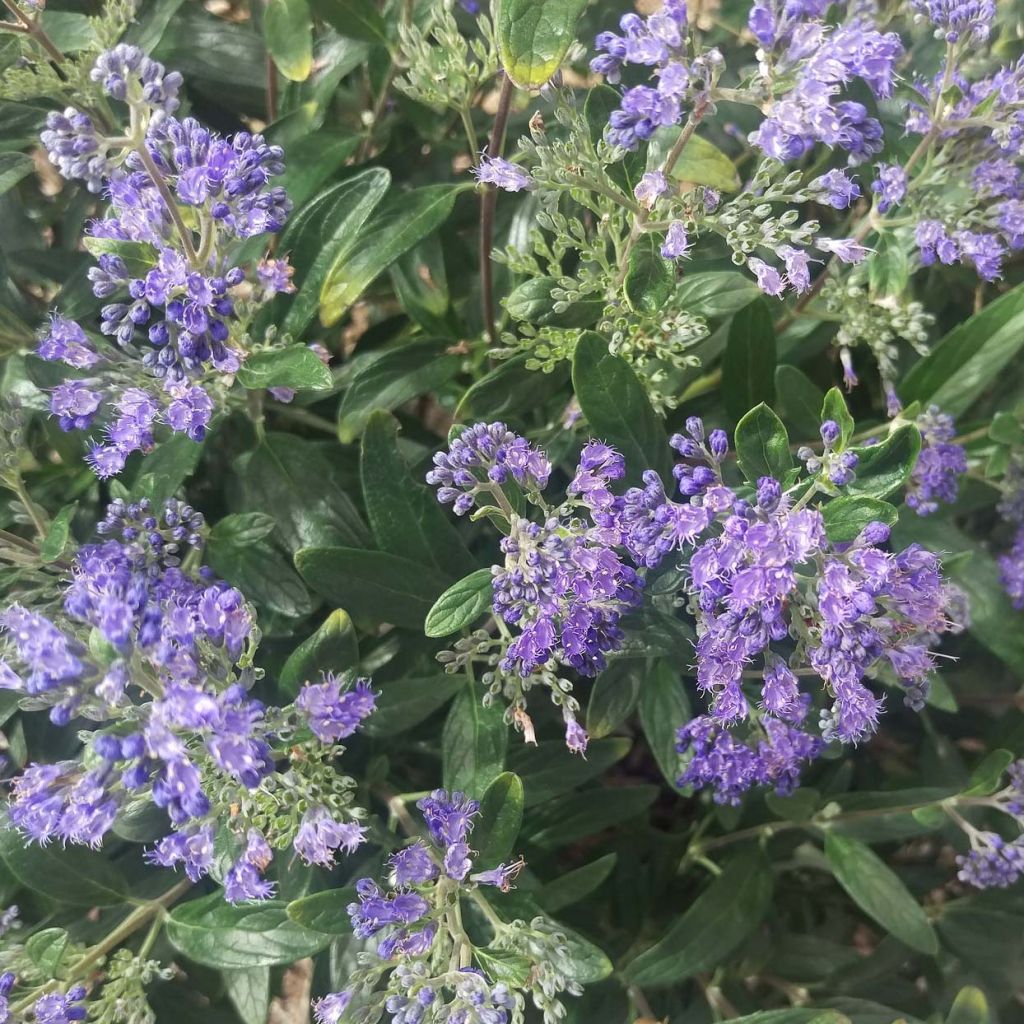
936,476
158,654
181,197
798,46
995,862
658,41
424,966
775,600
563,584
50,1008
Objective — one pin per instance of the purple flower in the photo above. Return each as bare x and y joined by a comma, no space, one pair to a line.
503,174
127,74
836,188
333,712
890,186
992,862
1011,571
55,1008
954,19
936,475
412,865
677,243
193,849
244,882
486,453
329,1010
320,836
65,341
798,267
769,280
376,910
650,188
74,404
500,877
984,251
846,249
934,243
575,735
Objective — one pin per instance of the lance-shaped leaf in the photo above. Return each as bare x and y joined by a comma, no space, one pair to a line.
534,37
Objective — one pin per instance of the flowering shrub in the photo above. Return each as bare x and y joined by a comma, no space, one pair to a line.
511,512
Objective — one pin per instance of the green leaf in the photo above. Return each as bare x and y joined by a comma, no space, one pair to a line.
357,19
550,769
617,408
968,359
310,161
986,778
421,286
578,815
846,516
243,528
46,950
405,516
294,480
575,885
664,707
261,572
460,605
878,891
473,744
510,389
969,1007
884,468
798,806
800,400
55,543
392,379
13,167
288,32
403,221
404,703
716,293
166,468
762,445
748,364
324,912
295,367
217,934
73,874
1006,429
503,966
700,163
371,584
324,232
532,302
888,267
615,695
649,279
501,816
534,37
713,926
249,992
834,408
332,648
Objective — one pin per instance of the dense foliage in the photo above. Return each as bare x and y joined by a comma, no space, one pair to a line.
511,513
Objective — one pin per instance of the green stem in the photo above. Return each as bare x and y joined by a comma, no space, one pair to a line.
667,167
172,207
31,508
132,923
